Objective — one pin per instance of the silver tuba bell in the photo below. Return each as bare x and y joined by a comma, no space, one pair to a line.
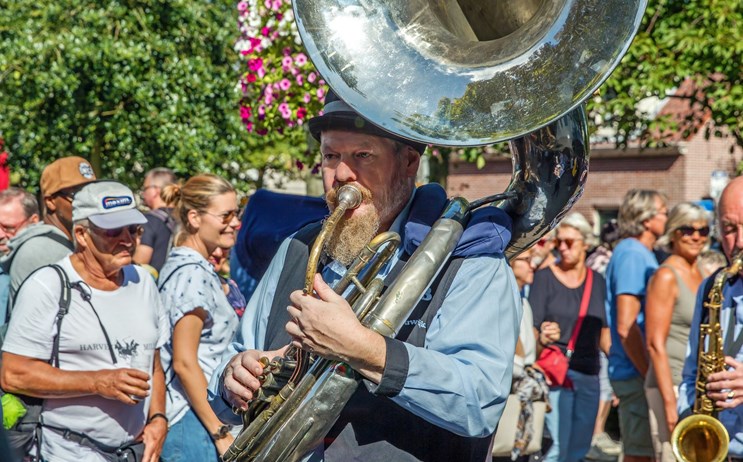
452,73
476,72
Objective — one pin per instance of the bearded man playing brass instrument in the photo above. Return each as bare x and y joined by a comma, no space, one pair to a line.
724,388
437,391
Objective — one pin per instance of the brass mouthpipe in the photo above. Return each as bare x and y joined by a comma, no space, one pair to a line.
349,197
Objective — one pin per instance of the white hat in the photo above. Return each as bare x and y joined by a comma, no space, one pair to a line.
107,204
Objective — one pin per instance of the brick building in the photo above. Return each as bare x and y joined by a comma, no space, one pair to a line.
682,170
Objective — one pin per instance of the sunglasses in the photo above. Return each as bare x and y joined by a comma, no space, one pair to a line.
226,217
134,230
568,242
690,230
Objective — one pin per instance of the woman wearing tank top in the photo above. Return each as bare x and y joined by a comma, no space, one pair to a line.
671,295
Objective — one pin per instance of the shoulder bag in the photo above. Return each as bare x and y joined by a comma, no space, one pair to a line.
553,363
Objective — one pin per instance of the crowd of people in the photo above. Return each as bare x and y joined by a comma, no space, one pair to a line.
127,340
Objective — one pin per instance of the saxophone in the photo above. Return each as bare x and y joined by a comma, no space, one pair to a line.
701,436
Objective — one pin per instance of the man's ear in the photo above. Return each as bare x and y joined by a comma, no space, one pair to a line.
49,204
412,162
78,233
34,218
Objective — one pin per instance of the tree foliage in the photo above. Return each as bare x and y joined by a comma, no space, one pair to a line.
679,39
128,84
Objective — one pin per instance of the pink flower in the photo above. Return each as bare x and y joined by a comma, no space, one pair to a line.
242,6
279,16
307,98
320,93
249,126
261,110
285,84
268,99
276,5
286,63
287,51
265,31
245,112
261,73
301,113
267,3
283,107
254,42
245,52
299,164
300,80
301,59
255,63
312,77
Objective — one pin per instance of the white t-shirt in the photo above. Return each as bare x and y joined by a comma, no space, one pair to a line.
136,324
188,281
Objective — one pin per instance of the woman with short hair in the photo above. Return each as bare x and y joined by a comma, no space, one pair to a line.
671,296
203,320
556,295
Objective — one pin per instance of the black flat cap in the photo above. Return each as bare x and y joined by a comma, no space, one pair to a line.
337,115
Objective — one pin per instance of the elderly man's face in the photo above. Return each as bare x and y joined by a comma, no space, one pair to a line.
112,248
731,217
12,220
384,173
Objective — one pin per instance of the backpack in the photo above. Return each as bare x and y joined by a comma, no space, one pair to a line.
26,431
5,270
170,223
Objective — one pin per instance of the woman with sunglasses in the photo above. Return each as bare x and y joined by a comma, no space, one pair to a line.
671,295
201,316
557,294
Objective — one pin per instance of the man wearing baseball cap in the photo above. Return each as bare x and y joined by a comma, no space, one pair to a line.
104,389
50,240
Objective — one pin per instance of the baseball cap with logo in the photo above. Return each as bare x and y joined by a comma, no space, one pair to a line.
107,204
64,173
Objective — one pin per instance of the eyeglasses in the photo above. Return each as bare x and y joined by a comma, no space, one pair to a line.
690,230
134,230
67,195
226,217
12,230
568,242
526,260
543,241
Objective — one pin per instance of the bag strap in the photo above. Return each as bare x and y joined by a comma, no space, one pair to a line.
160,285
65,298
582,314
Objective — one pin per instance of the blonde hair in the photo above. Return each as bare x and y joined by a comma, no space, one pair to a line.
683,214
577,221
638,205
196,194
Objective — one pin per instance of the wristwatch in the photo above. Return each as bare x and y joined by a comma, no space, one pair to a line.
221,432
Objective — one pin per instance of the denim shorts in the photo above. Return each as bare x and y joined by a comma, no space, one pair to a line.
188,441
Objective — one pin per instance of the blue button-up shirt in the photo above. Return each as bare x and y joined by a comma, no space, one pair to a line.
733,418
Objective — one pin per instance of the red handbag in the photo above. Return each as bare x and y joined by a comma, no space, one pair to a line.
553,363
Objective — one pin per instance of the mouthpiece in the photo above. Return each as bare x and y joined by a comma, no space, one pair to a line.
350,196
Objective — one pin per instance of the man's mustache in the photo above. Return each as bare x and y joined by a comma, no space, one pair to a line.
331,197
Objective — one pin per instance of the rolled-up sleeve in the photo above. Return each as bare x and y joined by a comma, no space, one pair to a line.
461,378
